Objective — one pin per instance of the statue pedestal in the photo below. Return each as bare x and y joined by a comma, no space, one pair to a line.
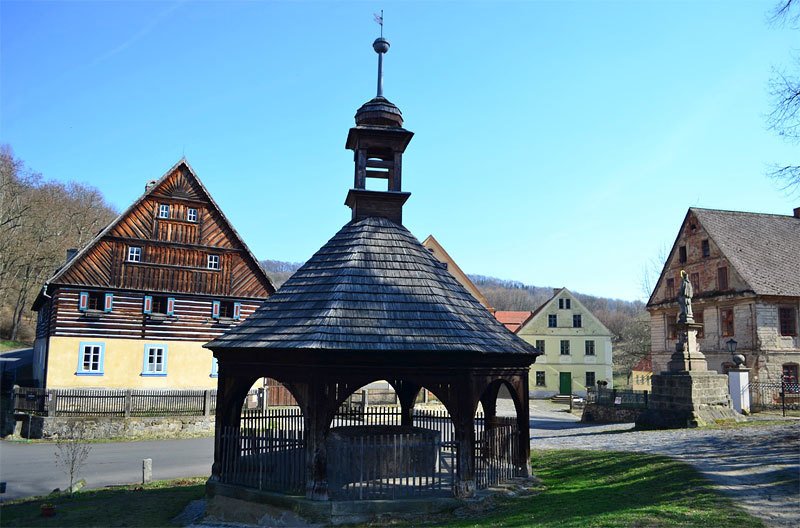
688,394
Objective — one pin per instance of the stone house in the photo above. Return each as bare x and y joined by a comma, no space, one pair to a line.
133,308
745,271
576,345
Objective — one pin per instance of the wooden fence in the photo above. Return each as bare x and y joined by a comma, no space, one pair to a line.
266,452
114,402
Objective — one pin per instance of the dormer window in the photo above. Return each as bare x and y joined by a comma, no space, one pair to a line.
191,215
163,211
213,262
134,254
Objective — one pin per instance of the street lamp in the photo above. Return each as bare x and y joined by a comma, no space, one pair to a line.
738,359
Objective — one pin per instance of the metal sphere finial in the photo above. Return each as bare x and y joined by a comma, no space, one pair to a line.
381,45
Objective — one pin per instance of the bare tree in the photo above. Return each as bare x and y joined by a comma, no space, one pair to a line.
39,221
785,89
72,452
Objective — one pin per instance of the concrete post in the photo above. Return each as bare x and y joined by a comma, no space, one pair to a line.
147,470
128,403
739,388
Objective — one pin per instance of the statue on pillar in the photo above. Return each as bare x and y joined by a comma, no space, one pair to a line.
685,299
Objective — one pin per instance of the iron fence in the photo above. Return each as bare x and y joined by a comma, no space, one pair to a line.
781,396
626,398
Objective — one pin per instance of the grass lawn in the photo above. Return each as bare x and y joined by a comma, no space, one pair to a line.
609,489
579,489
12,345
155,504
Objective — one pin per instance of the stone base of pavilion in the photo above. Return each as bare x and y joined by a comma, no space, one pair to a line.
235,504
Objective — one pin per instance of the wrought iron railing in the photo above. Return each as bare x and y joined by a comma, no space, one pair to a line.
781,396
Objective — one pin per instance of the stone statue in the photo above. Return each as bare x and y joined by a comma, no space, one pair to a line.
685,299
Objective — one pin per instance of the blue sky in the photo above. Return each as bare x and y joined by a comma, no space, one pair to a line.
556,143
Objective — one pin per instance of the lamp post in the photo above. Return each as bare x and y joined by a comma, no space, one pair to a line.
738,359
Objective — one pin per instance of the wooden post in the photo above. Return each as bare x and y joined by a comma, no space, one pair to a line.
206,403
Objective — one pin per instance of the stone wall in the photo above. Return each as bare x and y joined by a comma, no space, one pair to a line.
608,414
120,428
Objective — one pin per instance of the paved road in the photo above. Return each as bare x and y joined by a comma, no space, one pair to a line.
30,469
758,466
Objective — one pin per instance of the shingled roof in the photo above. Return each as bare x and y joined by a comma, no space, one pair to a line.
763,248
374,287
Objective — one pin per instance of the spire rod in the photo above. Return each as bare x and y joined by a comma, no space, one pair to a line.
381,46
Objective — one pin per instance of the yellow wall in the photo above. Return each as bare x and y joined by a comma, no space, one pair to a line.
188,365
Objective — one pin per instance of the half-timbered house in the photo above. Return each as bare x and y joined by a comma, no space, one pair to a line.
133,308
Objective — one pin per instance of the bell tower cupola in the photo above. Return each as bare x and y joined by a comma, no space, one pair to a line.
378,141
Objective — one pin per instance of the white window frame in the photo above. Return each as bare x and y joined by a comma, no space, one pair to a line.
163,211
564,347
213,262
589,344
134,254
191,215
154,368
95,368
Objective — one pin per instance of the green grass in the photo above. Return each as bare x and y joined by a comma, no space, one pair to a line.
578,489
609,489
153,505
11,345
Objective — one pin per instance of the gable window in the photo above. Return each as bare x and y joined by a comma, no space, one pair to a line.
191,215
155,360
670,288
589,347
213,262
163,211
576,321
564,347
552,321
540,382
590,379
540,345
726,322
564,304
682,254
704,248
90,359
134,254
787,319
722,278
694,278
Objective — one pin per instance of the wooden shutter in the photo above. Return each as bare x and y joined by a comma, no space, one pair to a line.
215,309
108,304
147,306
83,301
170,305
237,310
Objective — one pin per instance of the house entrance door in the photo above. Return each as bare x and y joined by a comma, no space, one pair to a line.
565,383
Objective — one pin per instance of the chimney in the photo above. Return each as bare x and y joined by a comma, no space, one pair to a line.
71,252
149,185
797,212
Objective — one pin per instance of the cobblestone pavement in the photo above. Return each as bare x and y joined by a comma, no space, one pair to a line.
758,466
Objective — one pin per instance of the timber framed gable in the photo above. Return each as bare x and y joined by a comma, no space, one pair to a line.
174,238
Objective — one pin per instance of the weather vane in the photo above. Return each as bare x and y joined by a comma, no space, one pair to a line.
379,20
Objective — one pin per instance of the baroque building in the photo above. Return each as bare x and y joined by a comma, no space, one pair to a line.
745,272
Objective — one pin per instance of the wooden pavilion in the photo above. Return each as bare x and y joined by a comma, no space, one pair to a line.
371,304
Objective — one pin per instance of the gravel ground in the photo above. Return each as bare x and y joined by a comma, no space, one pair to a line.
759,466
